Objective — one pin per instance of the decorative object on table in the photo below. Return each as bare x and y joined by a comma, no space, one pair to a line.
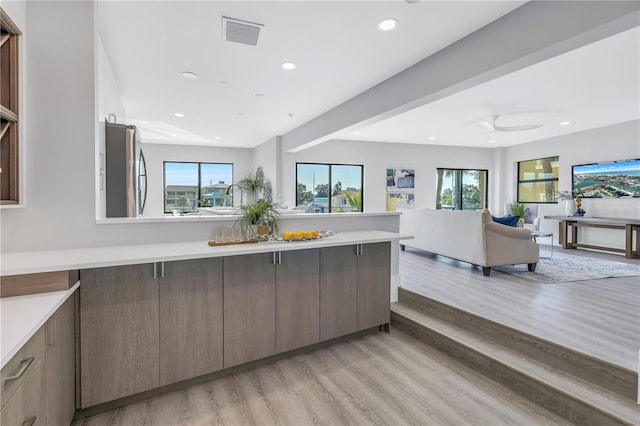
258,219
569,202
400,189
517,209
579,211
564,267
301,235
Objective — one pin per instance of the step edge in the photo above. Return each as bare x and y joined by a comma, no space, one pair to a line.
600,403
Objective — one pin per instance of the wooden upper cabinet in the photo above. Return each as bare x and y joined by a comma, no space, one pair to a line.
9,111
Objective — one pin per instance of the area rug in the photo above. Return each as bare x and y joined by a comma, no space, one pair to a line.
566,267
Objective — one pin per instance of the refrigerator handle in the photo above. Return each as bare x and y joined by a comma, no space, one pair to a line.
143,175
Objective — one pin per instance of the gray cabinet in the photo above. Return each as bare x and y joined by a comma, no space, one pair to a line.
118,332
354,288
249,308
60,332
338,291
374,274
190,319
27,406
297,299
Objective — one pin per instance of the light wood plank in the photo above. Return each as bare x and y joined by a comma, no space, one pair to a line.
379,378
597,317
19,285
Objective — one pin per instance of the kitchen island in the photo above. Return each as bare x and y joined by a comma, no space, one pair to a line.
159,315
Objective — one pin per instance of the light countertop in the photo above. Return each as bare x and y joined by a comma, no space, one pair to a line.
22,316
16,263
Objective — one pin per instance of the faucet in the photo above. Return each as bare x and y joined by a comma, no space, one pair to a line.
231,186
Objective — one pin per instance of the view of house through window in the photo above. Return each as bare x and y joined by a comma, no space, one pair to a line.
329,188
188,186
538,180
459,189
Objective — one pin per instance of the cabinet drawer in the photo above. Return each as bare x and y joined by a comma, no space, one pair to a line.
19,367
27,405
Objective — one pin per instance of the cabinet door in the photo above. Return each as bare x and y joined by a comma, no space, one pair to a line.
60,363
118,333
190,319
28,405
297,299
338,291
249,308
374,275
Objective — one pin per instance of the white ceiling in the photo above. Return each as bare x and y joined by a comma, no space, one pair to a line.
339,53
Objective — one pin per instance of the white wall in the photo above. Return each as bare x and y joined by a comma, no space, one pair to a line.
156,154
377,157
268,156
616,142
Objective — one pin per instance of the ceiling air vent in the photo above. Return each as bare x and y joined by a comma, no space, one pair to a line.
239,31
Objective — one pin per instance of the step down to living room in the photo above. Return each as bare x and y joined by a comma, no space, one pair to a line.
575,386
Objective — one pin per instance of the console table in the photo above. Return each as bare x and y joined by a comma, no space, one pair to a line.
570,241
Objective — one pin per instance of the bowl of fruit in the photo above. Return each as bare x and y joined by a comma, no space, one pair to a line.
301,235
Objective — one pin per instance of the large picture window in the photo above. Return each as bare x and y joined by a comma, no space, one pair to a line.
538,180
188,186
461,189
329,188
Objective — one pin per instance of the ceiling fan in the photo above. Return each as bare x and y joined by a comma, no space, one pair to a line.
494,126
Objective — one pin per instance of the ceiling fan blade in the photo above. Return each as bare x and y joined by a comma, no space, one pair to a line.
486,124
517,128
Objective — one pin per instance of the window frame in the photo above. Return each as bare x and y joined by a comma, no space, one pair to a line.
199,188
554,179
330,165
458,195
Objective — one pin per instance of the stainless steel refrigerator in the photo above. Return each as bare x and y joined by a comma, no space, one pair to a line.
125,171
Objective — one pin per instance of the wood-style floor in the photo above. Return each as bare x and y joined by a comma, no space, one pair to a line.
597,317
381,378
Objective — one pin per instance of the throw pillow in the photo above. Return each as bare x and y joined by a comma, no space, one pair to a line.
506,220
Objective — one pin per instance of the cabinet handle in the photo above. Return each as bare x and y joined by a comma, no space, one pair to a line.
279,258
30,421
155,275
52,331
360,249
273,261
23,367
161,269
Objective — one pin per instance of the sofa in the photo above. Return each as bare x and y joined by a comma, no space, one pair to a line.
470,236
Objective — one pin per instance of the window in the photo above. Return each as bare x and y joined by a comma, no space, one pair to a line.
538,180
460,189
9,114
188,186
329,188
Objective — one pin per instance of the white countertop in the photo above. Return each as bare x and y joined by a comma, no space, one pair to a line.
16,263
22,316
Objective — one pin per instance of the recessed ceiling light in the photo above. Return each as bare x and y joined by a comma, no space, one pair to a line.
433,138
217,138
492,141
224,83
259,95
173,135
565,123
388,24
178,114
190,75
356,133
288,66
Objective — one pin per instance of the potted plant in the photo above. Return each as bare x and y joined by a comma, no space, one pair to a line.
254,183
517,209
259,218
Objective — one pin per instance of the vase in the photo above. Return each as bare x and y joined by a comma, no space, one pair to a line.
569,206
521,222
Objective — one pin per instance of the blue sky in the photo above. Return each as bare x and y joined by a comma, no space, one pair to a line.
187,173
616,167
